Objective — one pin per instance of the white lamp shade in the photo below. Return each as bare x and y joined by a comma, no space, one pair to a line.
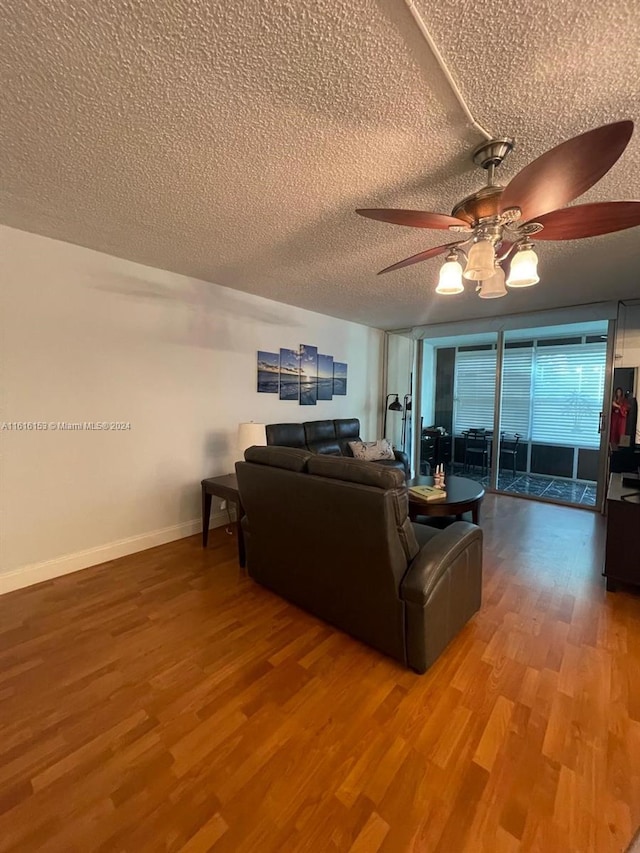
524,269
450,281
481,261
249,435
493,288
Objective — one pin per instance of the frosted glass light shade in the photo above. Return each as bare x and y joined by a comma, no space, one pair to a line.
524,269
481,261
250,434
450,281
493,288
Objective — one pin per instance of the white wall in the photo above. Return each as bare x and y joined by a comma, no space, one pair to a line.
90,337
400,351
428,390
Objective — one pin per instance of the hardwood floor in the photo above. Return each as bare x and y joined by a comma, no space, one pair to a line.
166,702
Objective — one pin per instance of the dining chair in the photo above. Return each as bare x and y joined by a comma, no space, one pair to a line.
509,447
476,449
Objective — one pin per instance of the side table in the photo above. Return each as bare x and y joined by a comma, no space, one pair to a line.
226,488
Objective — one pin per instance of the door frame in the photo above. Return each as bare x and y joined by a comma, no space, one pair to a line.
605,420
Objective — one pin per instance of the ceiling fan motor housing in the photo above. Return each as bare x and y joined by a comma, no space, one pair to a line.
479,205
485,202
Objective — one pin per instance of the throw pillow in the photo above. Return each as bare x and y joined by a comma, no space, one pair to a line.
371,451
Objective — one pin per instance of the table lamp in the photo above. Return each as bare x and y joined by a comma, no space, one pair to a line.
249,435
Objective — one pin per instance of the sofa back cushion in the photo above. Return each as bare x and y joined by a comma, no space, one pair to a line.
356,471
391,480
286,435
325,437
347,429
321,437
291,458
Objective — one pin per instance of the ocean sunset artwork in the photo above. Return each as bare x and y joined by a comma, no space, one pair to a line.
268,372
302,375
308,375
289,374
339,379
325,377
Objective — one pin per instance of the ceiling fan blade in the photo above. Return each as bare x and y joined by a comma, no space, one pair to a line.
588,220
422,256
566,171
413,218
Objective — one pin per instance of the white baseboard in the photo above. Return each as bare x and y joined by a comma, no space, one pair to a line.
38,572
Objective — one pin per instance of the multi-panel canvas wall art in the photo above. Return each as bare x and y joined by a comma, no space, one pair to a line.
325,377
339,379
308,375
289,374
268,372
303,375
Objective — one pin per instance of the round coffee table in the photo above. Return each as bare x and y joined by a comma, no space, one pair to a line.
463,495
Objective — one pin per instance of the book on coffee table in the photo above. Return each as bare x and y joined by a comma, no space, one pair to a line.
427,493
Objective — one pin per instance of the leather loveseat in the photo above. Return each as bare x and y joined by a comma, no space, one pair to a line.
333,536
330,438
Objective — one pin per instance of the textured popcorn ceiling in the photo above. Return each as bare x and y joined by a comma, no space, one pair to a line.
232,140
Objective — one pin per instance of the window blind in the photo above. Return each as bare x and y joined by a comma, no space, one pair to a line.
517,373
474,392
567,394
550,394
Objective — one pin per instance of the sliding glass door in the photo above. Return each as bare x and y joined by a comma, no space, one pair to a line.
458,404
553,382
523,411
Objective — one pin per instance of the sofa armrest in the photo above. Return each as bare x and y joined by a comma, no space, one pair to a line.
434,558
400,456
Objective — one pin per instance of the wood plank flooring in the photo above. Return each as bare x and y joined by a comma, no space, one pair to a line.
166,702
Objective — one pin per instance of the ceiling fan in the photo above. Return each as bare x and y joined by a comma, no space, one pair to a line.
499,221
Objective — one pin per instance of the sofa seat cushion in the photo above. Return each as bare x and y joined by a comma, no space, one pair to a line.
372,451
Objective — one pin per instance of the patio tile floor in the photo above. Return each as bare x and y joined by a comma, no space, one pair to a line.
574,491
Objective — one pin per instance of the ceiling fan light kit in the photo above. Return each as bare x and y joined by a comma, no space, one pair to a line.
493,287
496,223
524,267
481,261
450,280
499,221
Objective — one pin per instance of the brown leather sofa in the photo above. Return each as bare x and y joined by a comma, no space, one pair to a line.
330,438
333,536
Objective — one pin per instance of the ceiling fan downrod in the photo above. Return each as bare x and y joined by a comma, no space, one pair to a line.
489,155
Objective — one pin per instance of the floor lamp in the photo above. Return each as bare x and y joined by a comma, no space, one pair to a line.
405,408
395,406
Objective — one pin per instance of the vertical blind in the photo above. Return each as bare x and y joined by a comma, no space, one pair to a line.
550,394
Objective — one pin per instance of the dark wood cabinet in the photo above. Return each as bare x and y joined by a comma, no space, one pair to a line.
435,448
622,554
